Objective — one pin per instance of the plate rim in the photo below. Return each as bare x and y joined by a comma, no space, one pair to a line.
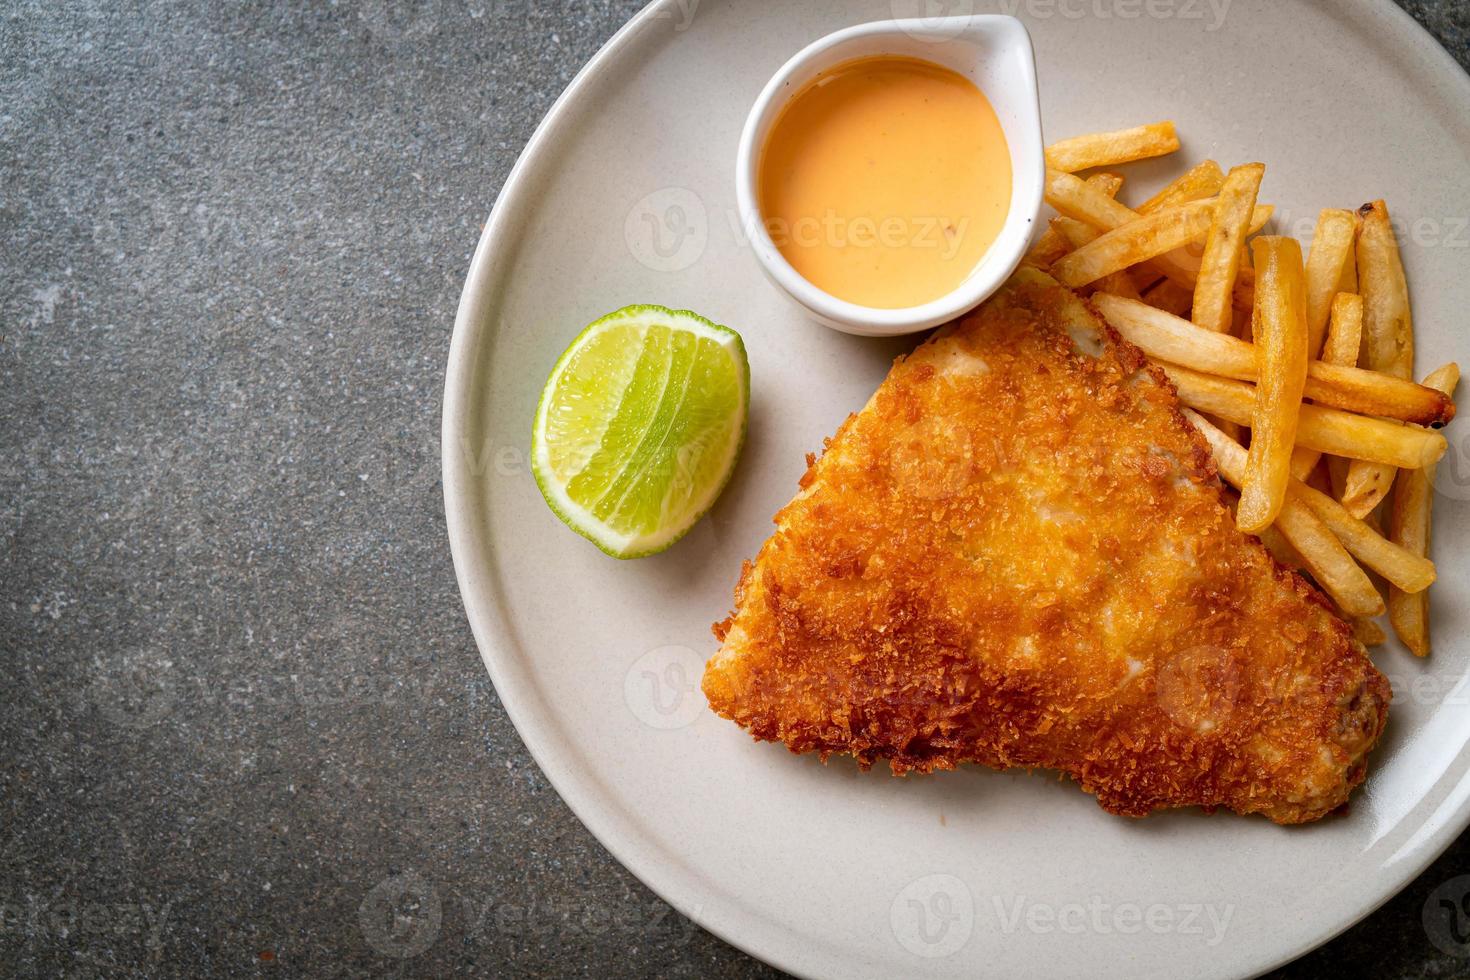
675,884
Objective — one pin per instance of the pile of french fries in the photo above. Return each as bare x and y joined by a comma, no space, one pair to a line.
1297,370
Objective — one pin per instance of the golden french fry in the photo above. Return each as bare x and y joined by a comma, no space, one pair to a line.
1051,245
1243,328
1340,347
1280,548
1109,183
1388,326
1135,242
1371,393
1337,470
1318,479
1344,331
1397,564
1220,262
1349,281
1073,198
1388,334
1367,632
1409,522
1330,564
1108,149
1118,284
1183,264
1048,247
1303,462
1075,233
1327,430
1169,296
1173,339
1401,567
1281,368
1331,245
1366,486
1320,550
1202,181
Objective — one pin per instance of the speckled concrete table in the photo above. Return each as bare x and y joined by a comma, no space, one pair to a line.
242,719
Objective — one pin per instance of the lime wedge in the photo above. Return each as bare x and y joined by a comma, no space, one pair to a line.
639,427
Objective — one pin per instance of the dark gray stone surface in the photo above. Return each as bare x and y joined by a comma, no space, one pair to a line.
242,718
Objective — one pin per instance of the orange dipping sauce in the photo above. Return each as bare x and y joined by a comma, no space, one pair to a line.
885,180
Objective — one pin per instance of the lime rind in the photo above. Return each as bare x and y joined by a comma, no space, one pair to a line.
672,425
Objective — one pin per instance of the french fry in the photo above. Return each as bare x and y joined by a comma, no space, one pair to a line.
1201,181
1328,430
1317,478
1169,296
1337,470
1108,149
1118,284
1183,264
1409,522
1331,246
1075,233
1303,462
1388,326
1339,347
1135,242
1051,245
1280,548
1367,632
1320,550
1388,335
1349,281
1048,247
1243,328
1073,198
1281,367
1220,262
1173,339
1344,331
1400,566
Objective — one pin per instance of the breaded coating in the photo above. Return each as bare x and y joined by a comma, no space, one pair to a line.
1019,554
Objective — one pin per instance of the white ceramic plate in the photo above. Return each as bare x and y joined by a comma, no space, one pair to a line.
625,194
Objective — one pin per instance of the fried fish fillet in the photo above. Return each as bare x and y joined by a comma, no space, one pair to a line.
1019,554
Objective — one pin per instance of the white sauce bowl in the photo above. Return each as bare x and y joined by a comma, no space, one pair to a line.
994,52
